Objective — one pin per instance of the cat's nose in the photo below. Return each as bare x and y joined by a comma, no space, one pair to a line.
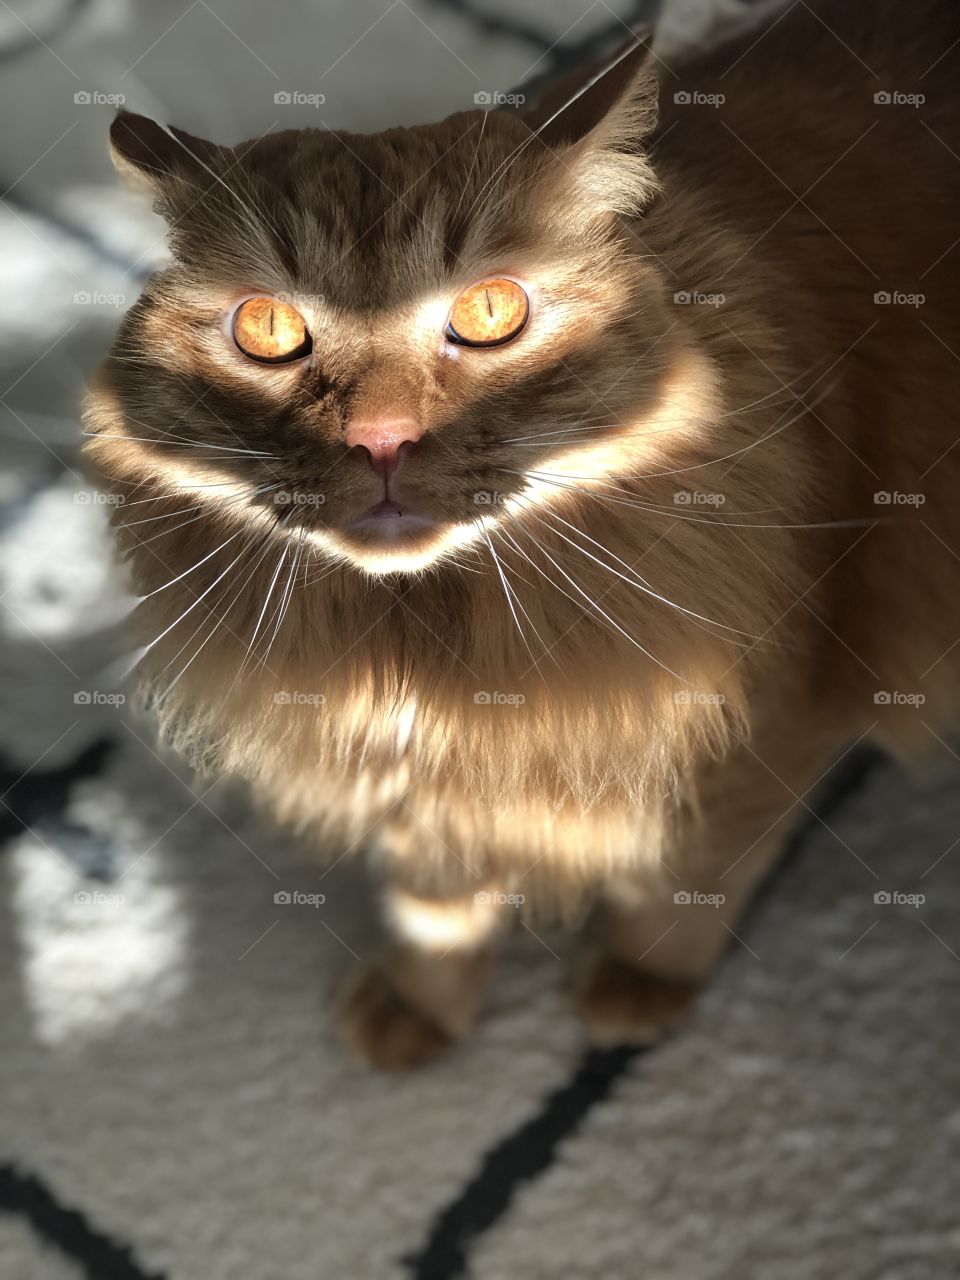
382,440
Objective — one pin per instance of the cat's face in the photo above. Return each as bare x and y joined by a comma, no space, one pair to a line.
383,347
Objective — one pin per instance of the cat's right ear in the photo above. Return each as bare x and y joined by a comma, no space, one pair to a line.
150,156
596,133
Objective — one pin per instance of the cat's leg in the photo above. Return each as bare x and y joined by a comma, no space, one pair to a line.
652,950
425,991
657,937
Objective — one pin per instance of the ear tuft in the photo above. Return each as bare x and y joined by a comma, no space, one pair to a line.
621,94
596,131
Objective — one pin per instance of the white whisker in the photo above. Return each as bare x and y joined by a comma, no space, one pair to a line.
190,608
181,576
719,521
179,444
219,620
283,603
602,612
637,581
168,515
508,594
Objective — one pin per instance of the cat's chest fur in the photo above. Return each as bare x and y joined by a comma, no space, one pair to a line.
401,785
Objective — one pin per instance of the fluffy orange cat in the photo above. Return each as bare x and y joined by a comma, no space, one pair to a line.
545,502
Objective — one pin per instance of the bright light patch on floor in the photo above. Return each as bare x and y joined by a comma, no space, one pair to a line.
94,954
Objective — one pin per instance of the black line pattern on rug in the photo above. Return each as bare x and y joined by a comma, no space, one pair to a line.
68,1230
529,1151
515,1160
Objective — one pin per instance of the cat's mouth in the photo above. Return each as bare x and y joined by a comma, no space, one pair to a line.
396,537
388,521
388,537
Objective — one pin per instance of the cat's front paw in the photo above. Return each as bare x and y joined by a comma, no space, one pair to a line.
383,1029
624,1005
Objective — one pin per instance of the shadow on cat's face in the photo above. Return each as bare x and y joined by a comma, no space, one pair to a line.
299,369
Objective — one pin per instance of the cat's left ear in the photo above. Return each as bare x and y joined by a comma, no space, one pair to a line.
597,131
154,157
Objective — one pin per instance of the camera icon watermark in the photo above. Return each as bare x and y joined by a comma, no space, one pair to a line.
696,98
292,498
94,698
894,498
98,298
894,98
694,898
96,498
483,698
895,698
697,298
297,898
698,498
302,300
298,98
497,98
898,298
297,698
98,98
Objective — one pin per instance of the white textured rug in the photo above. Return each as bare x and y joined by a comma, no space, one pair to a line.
172,1101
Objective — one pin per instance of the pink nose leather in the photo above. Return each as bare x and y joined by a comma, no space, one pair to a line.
382,439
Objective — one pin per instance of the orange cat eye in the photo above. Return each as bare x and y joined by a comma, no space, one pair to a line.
270,331
488,313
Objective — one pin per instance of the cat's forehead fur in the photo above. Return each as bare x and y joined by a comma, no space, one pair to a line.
364,218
